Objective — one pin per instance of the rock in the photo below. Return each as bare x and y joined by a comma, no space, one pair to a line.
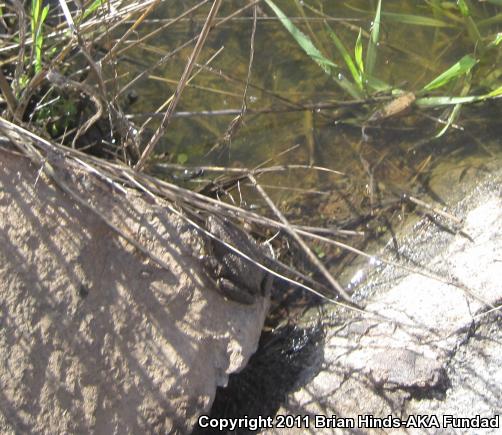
427,348
94,335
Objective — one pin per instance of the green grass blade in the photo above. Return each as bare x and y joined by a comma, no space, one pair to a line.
451,119
463,66
455,113
496,41
358,52
39,40
45,12
328,66
495,93
346,57
371,53
376,84
416,20
472,28
496,19
35,11
457,102
38,17
449,101
92,8
347,86
303,40
444,101
463,8
445,9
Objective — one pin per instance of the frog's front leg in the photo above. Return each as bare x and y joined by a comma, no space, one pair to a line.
235,293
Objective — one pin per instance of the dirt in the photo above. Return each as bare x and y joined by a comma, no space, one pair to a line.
94,335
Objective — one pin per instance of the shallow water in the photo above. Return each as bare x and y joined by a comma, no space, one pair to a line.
408,58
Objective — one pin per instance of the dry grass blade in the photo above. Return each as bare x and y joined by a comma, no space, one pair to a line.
131,29
8,95
148,36
21,17
169,100
341,291
67,15
165,58
181,85
236,123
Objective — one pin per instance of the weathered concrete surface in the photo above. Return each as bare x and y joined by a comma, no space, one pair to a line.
94,336
431,350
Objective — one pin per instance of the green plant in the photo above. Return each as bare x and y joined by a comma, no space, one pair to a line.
361,81
38,16
92,8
